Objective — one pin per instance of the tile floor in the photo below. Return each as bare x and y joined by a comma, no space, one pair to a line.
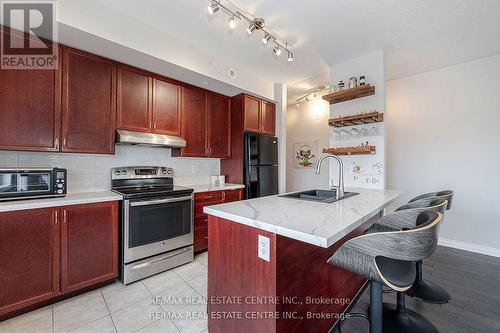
170,302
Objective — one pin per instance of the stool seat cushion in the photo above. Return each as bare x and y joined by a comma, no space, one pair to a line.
400,273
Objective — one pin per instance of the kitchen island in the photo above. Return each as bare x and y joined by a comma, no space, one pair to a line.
268,268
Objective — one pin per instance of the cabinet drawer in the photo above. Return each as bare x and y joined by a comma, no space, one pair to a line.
200,239
201,221
233,195
207,196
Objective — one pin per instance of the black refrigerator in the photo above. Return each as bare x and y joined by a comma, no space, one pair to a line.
261,165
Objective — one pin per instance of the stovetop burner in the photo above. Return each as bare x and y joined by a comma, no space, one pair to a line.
134,182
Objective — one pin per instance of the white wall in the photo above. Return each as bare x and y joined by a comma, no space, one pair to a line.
93,172
280,94
443,133
372,173
309,122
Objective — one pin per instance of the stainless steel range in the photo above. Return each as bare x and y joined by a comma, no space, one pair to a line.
156,221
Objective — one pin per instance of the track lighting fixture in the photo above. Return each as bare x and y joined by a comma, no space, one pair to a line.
266,38
255,23
277,50
312,93
232,23
213,8
251,28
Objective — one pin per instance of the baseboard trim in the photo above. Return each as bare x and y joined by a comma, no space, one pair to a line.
470,247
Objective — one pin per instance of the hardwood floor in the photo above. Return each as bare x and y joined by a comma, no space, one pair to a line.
473,280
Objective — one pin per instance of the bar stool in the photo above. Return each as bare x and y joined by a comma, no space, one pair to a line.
388,258
424,290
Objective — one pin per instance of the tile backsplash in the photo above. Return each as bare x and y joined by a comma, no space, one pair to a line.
93,172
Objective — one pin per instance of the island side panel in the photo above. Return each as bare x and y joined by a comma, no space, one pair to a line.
235,270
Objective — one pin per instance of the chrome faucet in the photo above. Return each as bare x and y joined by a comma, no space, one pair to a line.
339,191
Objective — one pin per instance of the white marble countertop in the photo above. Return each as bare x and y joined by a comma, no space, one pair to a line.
69,199
321,224
209,187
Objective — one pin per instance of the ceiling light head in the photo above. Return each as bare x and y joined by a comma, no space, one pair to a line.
307,99
232,23
277,50
213,8
290,56
251,28
298,103
266,38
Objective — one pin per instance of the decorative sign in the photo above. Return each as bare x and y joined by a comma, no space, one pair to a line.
306,154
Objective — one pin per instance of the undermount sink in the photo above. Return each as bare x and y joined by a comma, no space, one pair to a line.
325,196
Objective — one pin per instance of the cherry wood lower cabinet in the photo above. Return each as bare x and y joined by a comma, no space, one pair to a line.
202,200
29,258
52,253
89,245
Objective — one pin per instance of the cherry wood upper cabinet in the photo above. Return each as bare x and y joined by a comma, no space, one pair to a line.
166,107
29,248
30,107
194,122
88,103
252,114
89,245
268,118
219,125
133,102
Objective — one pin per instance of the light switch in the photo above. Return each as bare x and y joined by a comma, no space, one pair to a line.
264,248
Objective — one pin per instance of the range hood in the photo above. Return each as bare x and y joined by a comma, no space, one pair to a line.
149,139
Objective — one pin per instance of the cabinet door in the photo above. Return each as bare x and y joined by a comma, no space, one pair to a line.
252,112
29,257
268,118
218,126
89,109
194,122
89,245
133,107
233,195
166,108
30,107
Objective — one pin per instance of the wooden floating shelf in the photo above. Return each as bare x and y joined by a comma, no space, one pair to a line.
368,150
350,94
358,119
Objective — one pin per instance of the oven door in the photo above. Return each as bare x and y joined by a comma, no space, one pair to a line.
18,185
153,226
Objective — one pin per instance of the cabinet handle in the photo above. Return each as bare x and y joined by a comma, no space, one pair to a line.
64,216
223,196
206,237
209,197
56,143
57,216
64,142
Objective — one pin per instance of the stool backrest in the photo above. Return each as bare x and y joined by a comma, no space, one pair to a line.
445,195
427,204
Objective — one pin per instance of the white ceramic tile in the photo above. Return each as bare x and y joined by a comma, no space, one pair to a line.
133,293
103,325
8,159
192,319
71,315
162,325
191,270
178,297
37,321
135,317
202,258
163,281
200,284
112,287
29,159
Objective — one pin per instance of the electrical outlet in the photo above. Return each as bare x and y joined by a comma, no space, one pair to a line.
264,248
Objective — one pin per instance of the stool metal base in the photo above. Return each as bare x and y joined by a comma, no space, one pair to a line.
429,292
394,321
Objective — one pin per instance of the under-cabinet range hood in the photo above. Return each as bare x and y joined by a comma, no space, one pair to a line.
149,139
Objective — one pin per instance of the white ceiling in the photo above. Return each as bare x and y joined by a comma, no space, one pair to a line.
417,35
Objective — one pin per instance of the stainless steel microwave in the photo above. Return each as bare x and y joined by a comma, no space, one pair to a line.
32,183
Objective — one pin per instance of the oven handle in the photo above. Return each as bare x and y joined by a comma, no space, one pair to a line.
159,201
146,264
